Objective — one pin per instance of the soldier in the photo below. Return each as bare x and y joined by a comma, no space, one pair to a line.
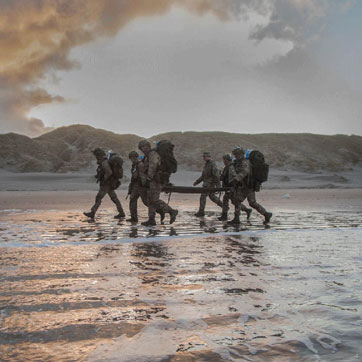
210,178
150,179
135,189
107,185
241,175
225,180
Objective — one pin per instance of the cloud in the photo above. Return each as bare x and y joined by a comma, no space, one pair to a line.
38,35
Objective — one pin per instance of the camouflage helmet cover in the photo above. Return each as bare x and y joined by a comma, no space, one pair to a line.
133,154
144,143
238,151
227,157
98,152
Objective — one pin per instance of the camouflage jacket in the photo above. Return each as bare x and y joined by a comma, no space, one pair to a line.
104,172
210,175
240,172
225,176
151,164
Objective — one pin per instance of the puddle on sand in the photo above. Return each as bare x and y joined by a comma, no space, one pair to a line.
270,296
53,228
280,295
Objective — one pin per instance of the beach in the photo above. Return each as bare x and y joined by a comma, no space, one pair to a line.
197,290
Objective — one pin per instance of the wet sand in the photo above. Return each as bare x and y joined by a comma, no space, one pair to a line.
197,290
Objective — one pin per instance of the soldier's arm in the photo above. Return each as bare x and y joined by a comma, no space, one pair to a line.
200,179
154,160
107,170
244,172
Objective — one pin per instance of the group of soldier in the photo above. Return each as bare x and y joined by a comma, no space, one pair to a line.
147,184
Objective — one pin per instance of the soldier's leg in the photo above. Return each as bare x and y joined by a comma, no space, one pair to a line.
225,202
246,210
202,206
112,194
133,203
261,210
237,199
213,197
142,191
101,193
164,208
225,206
153,198
252,202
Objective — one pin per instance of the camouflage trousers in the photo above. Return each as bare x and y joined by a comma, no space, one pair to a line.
212,197
155,204
228,196
136,193
103,191
239,197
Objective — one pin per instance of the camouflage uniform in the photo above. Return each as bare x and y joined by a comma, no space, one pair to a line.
241,173
107,185
150,177
136,190
210,178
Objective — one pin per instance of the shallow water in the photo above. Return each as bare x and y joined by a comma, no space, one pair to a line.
198,290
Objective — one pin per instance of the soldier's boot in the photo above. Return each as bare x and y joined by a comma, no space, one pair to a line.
121,215
132,219
223,217
200,213
149,222
90,214
234,221
248,213
173,214
267,217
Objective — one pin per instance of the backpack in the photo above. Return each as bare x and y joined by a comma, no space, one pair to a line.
116,163
168,161
259,169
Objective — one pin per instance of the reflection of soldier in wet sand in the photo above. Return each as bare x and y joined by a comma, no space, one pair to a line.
135,188
210,178
242,176
150,178
107,184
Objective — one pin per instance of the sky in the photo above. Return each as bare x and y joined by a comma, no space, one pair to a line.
152,66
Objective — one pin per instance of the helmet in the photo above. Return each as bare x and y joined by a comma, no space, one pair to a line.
227,157
98,152
133,154
238,151
144,143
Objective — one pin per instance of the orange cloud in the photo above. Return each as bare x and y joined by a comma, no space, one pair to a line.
37,36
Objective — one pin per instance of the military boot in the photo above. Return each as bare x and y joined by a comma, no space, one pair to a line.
248,213
121,215
173,215
234,221
200,214
149,222
90,214
267,217
223,217
132,219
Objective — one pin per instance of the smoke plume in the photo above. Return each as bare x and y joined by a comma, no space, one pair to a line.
37,36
